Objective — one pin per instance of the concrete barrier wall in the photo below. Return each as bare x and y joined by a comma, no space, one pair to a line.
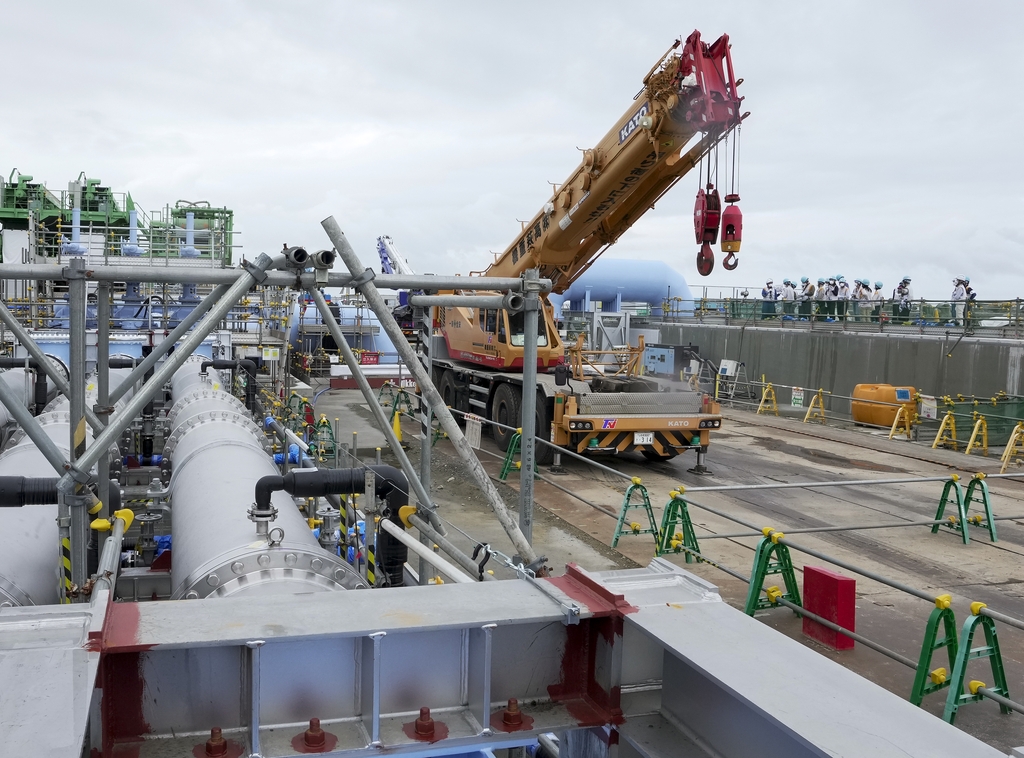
839,360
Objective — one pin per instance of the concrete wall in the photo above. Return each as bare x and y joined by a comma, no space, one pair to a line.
837,361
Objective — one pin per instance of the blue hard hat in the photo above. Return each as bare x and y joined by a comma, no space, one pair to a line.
967,280
820,280
878,285
865,281
906,278
804,280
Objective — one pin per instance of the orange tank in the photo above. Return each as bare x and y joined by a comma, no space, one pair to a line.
866,412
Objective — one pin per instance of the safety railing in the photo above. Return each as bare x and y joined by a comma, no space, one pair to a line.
1003,318
939,632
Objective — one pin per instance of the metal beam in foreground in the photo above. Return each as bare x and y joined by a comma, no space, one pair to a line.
368,290
650,658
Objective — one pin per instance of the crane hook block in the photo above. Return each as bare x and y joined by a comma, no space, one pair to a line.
707,212
731,262
705,260
732,228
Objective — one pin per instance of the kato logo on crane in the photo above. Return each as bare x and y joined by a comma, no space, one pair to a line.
634,122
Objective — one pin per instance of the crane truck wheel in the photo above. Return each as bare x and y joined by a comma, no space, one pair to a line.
543,454
505,409
448,392
655,457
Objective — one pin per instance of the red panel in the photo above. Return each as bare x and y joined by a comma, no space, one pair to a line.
834,597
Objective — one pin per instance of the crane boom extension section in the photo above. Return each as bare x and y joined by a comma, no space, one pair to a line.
690,92
687,104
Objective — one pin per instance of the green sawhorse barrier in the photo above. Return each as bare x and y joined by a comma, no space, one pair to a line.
510,463
677,529
770,558
926,682
977,492
957,697
635,527
952,492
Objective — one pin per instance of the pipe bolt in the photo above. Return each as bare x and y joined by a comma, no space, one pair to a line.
314,737
425,724
512,716
216,745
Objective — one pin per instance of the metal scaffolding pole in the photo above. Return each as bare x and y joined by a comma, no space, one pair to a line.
73,504
363,281
26,340
528,423
168,342
426,328
246,279
297,279
378,413
103,409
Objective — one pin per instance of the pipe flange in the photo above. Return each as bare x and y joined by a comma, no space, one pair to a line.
12,595
47,418
251,567
202,393
219,417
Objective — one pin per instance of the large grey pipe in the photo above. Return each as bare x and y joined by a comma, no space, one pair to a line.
29,542
218,454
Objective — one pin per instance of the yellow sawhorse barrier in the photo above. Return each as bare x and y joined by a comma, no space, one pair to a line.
908,421
980,430
816,410
1014,448
768,402
947,433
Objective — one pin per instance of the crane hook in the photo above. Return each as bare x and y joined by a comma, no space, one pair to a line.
731,262
705,260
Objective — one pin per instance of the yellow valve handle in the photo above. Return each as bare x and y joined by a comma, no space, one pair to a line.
127,515
976,608
636,480
404,513
938,676
773,593
635,527
100,525
974,685
942,602
776,536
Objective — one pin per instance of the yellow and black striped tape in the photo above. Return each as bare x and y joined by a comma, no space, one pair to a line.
371,566
65,559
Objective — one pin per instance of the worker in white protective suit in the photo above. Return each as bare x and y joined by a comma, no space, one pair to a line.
958,300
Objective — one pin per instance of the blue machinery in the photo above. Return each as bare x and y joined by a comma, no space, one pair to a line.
273,646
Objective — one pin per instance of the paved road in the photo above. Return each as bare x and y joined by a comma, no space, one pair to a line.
760,450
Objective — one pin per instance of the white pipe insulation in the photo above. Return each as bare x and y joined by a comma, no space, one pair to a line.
217,455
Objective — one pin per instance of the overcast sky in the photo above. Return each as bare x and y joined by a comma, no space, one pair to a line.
884,138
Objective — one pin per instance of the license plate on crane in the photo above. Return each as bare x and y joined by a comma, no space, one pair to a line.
643,438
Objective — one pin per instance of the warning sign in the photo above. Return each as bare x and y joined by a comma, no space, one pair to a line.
271,353
473,431
798,396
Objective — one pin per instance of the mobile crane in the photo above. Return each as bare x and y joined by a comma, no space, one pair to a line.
687,105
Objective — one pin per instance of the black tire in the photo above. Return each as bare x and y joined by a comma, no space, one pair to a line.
447,388
544,454
656,457
505,409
